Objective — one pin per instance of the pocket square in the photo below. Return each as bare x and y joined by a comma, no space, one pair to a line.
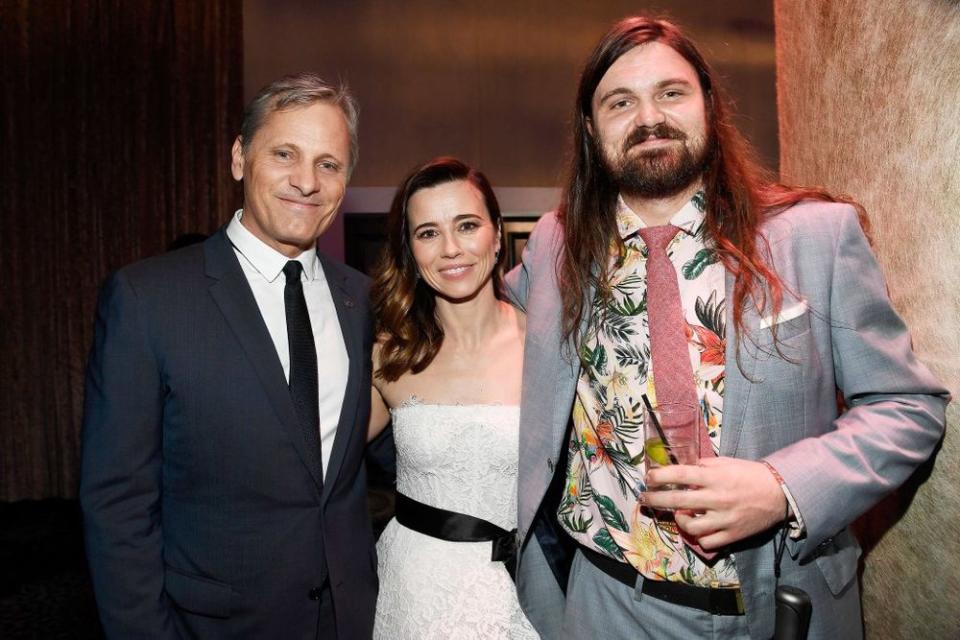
789,313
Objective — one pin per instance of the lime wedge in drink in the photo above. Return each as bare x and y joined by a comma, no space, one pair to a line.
657,451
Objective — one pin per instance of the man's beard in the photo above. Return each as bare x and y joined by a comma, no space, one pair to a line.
659,173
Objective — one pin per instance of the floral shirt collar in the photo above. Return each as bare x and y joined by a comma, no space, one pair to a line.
688,218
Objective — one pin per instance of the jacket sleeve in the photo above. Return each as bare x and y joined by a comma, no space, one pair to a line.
120,480
517,281
895,409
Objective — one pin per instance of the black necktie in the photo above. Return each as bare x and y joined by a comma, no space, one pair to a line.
303,361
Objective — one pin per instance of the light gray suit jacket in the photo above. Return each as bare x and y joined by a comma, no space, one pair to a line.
837,463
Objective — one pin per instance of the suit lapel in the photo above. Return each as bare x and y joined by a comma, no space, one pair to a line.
352,324
737,385
551,371
233,296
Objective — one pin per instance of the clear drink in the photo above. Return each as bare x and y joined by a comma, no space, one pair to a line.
672,436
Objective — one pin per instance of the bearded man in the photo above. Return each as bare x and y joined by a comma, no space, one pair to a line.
676,270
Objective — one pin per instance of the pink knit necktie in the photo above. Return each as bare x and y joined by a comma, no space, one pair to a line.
672,373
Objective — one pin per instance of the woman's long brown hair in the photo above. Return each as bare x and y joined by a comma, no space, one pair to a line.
404,306
740,193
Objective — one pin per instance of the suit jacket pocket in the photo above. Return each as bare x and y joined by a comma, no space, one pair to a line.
838,561
786,330
198,595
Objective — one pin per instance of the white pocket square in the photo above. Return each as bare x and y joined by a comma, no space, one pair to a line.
791,312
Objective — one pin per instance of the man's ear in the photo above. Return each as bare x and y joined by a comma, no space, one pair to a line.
236,163
589,124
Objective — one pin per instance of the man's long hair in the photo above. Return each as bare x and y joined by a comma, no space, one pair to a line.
739,192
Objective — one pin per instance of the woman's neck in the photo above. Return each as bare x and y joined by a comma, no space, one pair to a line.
468,324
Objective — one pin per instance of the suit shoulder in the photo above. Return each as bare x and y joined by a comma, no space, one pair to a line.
809,219
548,223
168,267
547,234
353,277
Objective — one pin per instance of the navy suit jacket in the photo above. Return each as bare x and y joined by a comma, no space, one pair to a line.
204,515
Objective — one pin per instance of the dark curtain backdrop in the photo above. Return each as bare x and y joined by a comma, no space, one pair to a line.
117,122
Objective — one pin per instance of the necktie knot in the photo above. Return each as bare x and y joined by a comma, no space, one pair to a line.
658,237
292,270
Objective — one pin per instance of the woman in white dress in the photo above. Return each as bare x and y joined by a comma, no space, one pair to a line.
447,370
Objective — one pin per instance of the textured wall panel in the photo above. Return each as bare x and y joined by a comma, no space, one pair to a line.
869,100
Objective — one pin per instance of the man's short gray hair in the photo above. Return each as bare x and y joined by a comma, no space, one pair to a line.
300,90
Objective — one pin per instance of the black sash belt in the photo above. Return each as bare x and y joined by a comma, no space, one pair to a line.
458,527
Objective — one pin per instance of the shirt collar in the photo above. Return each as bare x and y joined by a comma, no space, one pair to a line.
688,218
265,259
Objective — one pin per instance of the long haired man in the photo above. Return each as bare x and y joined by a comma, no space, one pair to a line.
676,270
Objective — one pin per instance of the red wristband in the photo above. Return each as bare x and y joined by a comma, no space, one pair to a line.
776,474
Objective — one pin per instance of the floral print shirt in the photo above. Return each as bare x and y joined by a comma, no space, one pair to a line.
599,508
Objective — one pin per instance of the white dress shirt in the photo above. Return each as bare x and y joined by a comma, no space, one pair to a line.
263,267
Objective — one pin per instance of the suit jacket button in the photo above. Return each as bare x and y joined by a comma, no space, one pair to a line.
315,593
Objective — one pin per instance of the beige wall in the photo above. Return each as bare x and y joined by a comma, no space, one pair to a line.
870,105
492,82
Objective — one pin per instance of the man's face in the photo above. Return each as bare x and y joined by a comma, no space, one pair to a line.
649,121
294,174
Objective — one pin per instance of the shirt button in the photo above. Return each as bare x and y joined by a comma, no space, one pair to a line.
315,593
550,465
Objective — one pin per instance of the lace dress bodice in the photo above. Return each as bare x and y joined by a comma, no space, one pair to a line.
460,458
448,454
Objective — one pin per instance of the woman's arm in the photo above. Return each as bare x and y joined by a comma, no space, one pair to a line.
379,413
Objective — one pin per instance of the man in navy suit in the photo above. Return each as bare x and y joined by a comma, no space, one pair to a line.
220,499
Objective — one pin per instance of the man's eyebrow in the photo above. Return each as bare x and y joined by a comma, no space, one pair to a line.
619,91
326,155
673,81
330,156
623,91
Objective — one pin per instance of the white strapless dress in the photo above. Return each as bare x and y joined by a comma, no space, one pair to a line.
463,459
